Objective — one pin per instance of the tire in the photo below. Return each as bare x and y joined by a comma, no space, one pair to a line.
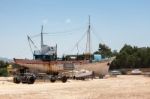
101,76
24,82
31,80
64,79
52,79
16,80
82,78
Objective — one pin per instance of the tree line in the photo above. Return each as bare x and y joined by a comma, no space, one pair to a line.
128,57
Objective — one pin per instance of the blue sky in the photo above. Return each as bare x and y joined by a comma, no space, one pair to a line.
114,22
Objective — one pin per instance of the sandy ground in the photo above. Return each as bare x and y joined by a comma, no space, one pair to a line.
121,87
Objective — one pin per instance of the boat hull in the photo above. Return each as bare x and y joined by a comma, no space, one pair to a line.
99,68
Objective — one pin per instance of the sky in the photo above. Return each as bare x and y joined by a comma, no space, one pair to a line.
113,22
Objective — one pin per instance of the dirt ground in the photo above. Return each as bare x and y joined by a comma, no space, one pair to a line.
120,87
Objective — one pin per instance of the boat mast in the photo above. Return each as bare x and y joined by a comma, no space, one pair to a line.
88,44
89,32
42,37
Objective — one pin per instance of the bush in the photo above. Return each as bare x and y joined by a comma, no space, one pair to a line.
3,72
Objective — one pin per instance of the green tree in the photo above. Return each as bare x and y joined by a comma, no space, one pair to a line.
132,57
128,49
114,53
3,68
3,72
104,50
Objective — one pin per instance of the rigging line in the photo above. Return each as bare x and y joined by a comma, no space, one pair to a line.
30,40
78,41
65,32
30,46
96,35
87,41
35,36
77,44
59,34
77,49
98,38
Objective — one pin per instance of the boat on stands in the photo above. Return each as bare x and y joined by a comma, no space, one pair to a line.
45,60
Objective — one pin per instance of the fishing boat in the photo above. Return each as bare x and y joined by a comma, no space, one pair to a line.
45,60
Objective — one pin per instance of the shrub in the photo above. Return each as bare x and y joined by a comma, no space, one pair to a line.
3,72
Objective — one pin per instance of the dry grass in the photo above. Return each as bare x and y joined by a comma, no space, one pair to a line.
122,87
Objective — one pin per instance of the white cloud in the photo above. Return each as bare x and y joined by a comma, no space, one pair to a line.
68,21
45,21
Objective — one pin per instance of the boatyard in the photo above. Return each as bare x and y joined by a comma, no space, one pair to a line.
75,49
120,87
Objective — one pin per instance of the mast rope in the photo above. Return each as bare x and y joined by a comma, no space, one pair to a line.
30,41
77,44
66,32
60,33
97,36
